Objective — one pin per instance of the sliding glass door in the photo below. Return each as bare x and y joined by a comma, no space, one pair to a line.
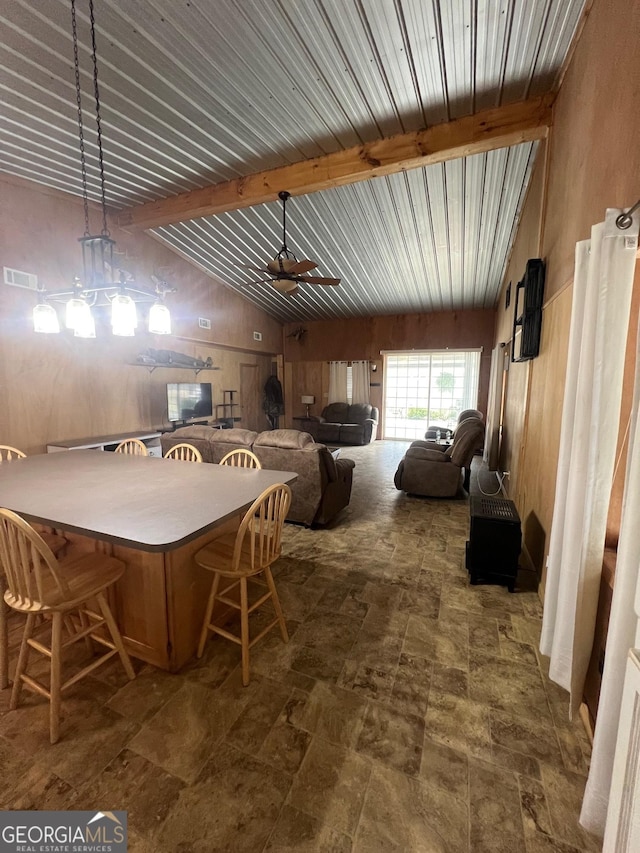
428,388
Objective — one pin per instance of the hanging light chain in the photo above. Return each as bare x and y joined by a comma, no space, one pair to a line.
83,163
105,230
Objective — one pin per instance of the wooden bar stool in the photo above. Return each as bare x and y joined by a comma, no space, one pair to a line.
241,459
8,453
241,557
132,447
37,583
184,451
54,541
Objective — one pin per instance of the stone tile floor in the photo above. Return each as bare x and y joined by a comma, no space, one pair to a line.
409,711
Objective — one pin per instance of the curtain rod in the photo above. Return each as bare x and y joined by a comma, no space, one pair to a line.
625,219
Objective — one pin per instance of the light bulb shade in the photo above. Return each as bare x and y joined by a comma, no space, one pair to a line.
159,319
123,315
307,399
45,319
284,285
85,324
76,313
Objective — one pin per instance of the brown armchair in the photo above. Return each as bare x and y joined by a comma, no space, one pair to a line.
437,471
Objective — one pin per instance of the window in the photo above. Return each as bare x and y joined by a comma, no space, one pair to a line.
428,388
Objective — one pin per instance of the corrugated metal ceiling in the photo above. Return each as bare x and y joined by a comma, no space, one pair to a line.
200,91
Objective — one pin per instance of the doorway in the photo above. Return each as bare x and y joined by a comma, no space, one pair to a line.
250,398
428,388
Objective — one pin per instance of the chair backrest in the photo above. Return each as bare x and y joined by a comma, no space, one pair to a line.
133,447
8,453
262,527
469,413
241,459
184,451
30,566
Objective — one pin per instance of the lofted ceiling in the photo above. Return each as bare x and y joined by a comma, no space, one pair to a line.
197,93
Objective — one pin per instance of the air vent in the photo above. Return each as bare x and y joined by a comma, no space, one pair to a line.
204,323
257,336
17,278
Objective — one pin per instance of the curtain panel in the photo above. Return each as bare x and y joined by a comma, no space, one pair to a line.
591,410
621,636
360,382
337,382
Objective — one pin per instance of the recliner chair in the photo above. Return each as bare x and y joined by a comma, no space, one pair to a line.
432,431
436,471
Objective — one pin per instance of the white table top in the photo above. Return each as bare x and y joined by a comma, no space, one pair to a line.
137,501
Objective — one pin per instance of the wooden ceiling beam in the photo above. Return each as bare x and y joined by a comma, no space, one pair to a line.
498,127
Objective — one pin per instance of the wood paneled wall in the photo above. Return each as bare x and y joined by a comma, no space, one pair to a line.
593,164
307,359
59,387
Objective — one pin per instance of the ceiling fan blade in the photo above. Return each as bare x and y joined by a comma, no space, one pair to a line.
315,279
302,266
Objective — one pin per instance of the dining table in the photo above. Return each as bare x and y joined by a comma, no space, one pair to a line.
154,515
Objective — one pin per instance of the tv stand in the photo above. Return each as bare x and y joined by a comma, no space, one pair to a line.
150,438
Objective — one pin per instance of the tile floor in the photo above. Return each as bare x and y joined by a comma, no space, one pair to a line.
408,712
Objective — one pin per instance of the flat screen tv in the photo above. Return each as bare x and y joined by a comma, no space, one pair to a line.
188,401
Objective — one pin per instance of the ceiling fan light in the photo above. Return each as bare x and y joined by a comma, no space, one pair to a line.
284,285
159,319
45,319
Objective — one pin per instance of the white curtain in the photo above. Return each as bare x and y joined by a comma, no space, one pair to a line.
623,621
337,382
359,381
591,410
492,434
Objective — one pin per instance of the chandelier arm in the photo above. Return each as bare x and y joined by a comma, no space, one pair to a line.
83,164
96,90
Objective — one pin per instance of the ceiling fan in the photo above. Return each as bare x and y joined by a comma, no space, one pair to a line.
285,271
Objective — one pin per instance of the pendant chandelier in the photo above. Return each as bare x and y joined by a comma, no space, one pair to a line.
97,287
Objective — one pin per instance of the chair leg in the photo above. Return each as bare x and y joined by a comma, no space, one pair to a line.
244,630
4,636
54,689
84,623
23,658
115,635
208,613
276,604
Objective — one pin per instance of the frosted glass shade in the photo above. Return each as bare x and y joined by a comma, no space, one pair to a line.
45,319
123,315
159,319
85,325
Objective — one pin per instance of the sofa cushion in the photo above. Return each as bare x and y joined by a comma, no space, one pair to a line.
336,413
351,433
358,413
286,439
237,437
328,432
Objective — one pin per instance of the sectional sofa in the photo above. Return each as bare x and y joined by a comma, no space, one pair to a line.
323,486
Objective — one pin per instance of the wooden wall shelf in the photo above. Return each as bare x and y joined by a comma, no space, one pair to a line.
152,367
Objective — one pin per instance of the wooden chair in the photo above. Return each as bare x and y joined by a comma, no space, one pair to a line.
37,583
241,459
55,542
133,447
8,453
185,452
241,557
